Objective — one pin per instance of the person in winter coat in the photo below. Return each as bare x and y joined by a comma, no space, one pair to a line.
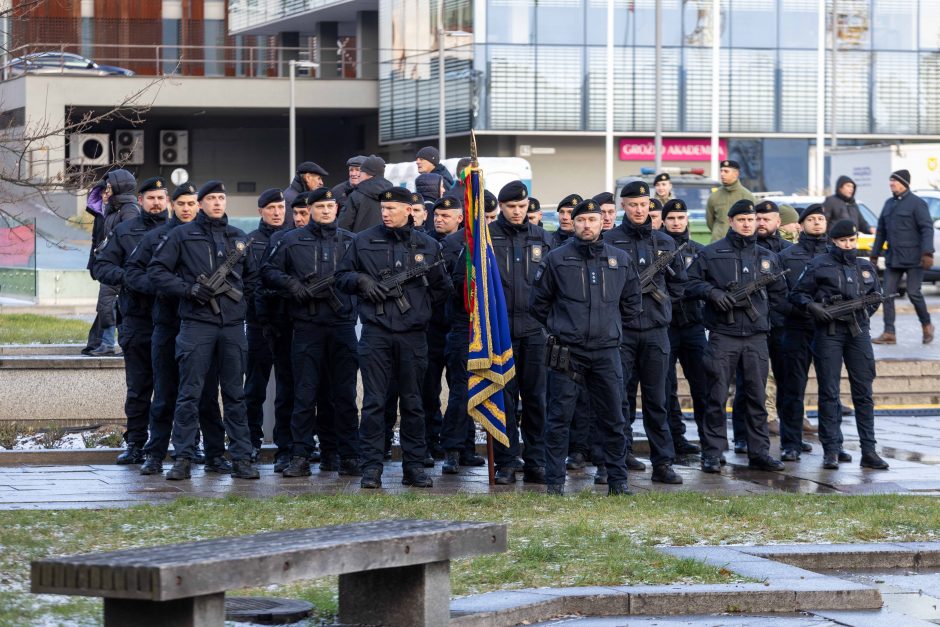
730,192
428,160
309,177
95,206
842,206
363,209
342,191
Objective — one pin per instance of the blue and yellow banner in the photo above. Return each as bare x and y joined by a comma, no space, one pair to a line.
490,364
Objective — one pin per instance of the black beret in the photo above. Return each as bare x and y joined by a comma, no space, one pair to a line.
903,177
635,189
268,196
309,167
416,199
766,206
571,200
320,194
660,178
397,194
490,202
186,189
586,206
513,191
655,205
429,153
810,210
448,202
843,228
674,206
741,207
210,187
300,200
355,162
534,205
730,163
604,198
156,182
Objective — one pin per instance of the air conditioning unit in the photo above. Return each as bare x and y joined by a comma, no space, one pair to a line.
129,146
87,149
174,147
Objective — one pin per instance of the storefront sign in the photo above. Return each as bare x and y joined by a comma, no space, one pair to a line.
642,149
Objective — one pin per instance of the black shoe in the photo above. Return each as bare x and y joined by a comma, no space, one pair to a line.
87,351
437,452
844,456
428,460
152,465
134,454
505,475
281,461
533,474
634,464
619,488
199,457
663,473
789,455
349,467
806,447
417,478
600,477
299,466
102,351
451,465
873,460
710,464
722,460
575,461
329,463
242,469
255,455
181,470
740,447
518,464
471,459
831,460
684,447
555,489
314,455
765,462
219,465
371,478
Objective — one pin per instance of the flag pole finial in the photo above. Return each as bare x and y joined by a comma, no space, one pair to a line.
473,149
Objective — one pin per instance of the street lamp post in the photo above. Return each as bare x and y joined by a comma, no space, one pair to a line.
293,64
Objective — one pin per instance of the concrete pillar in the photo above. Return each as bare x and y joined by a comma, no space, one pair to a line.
410,596
367,44
202,611
327,54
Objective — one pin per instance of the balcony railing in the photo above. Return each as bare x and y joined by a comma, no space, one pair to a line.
244,14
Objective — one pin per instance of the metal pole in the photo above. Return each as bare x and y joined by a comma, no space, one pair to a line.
819,183
609,182
441,85
291,66
716,87
658,144
832,73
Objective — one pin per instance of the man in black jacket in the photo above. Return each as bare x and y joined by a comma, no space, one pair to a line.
428,160
843,206
906,228
309,176
342,191
363,208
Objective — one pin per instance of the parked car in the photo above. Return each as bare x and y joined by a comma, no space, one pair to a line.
62,62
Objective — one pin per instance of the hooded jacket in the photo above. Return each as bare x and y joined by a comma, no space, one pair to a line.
95,207
363,208
716,210
122,205
839,207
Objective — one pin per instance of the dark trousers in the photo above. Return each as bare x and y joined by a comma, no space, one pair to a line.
582,433
104,315
829,352
798,355
647,353
687,346
383,357
778,364
915,276
724,355
198,345
529,384
325,421
166,383
263,354
134,336
316,351
458,432
603,380
431,389
391,413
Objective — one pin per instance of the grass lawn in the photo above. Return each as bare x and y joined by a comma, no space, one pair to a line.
579,540
35,329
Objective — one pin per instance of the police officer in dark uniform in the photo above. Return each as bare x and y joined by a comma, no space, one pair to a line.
268,341
565,224
393,344
582,292
324,333
798,330
840,274
189,253
520,247
166,326
736,260
645,344
686,336
136,324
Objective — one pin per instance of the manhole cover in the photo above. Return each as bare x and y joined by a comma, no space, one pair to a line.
266,610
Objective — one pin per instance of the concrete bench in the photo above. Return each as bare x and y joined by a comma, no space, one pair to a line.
391,572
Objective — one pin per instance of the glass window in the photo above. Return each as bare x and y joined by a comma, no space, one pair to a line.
798,23
214,37
511,87
558,77
511,21
895,105
168,52
753,23
751,106
929,28
88,36
895,24
560,22
854,22
853,70
930,93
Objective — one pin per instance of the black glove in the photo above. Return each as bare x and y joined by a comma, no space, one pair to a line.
819,312
297,291
721,299
370,289
199,293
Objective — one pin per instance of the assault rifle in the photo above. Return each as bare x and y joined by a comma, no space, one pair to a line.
217,283
843,310
392,284
648,276
321,289
742,294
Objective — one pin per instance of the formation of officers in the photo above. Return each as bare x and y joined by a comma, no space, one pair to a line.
596,310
